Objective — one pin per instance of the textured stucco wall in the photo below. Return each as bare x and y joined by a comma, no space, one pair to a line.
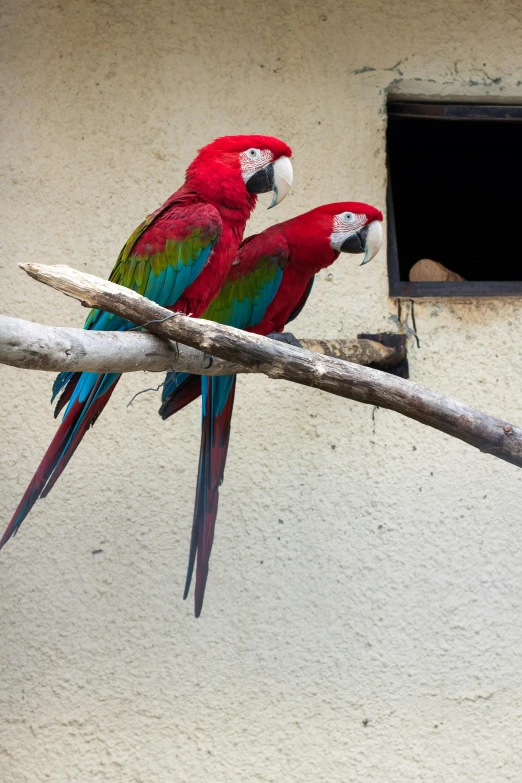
363,615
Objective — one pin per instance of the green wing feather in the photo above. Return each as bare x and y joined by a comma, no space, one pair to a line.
181,241
251,285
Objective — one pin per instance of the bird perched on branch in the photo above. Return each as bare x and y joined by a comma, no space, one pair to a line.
266,288
178,257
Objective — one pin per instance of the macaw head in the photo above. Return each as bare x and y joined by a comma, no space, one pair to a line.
233,170
356,228
343,227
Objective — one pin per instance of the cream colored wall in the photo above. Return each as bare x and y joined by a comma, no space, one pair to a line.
363,614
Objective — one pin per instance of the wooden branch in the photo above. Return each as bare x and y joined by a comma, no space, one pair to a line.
426,270
360,351
276,360
38,347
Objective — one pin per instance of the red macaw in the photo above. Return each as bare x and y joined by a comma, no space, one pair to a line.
266,288
178,257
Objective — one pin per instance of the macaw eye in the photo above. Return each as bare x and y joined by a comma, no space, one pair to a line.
253,154
348,216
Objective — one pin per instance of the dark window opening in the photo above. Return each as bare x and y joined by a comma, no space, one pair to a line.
455,197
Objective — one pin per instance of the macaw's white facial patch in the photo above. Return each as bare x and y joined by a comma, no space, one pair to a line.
345,224
252,160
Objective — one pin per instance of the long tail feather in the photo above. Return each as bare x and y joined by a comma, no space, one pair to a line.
79,416
218,402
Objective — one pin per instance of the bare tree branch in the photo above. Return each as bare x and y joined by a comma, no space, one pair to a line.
276,360
38,347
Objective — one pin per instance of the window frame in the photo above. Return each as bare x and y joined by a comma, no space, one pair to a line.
404,289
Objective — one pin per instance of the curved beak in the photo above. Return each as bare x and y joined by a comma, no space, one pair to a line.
283,179
277,176
367,240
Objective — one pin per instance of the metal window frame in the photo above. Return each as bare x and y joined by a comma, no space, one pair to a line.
402,289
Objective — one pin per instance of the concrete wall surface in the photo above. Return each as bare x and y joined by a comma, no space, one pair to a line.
363,613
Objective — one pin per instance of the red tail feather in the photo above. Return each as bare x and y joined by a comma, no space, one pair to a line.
58,454
215,435
94,411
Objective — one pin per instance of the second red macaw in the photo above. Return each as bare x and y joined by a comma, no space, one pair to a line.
266,288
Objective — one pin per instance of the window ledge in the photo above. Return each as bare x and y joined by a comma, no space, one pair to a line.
468,290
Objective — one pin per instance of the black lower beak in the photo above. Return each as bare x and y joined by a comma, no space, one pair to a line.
262,181
356,243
